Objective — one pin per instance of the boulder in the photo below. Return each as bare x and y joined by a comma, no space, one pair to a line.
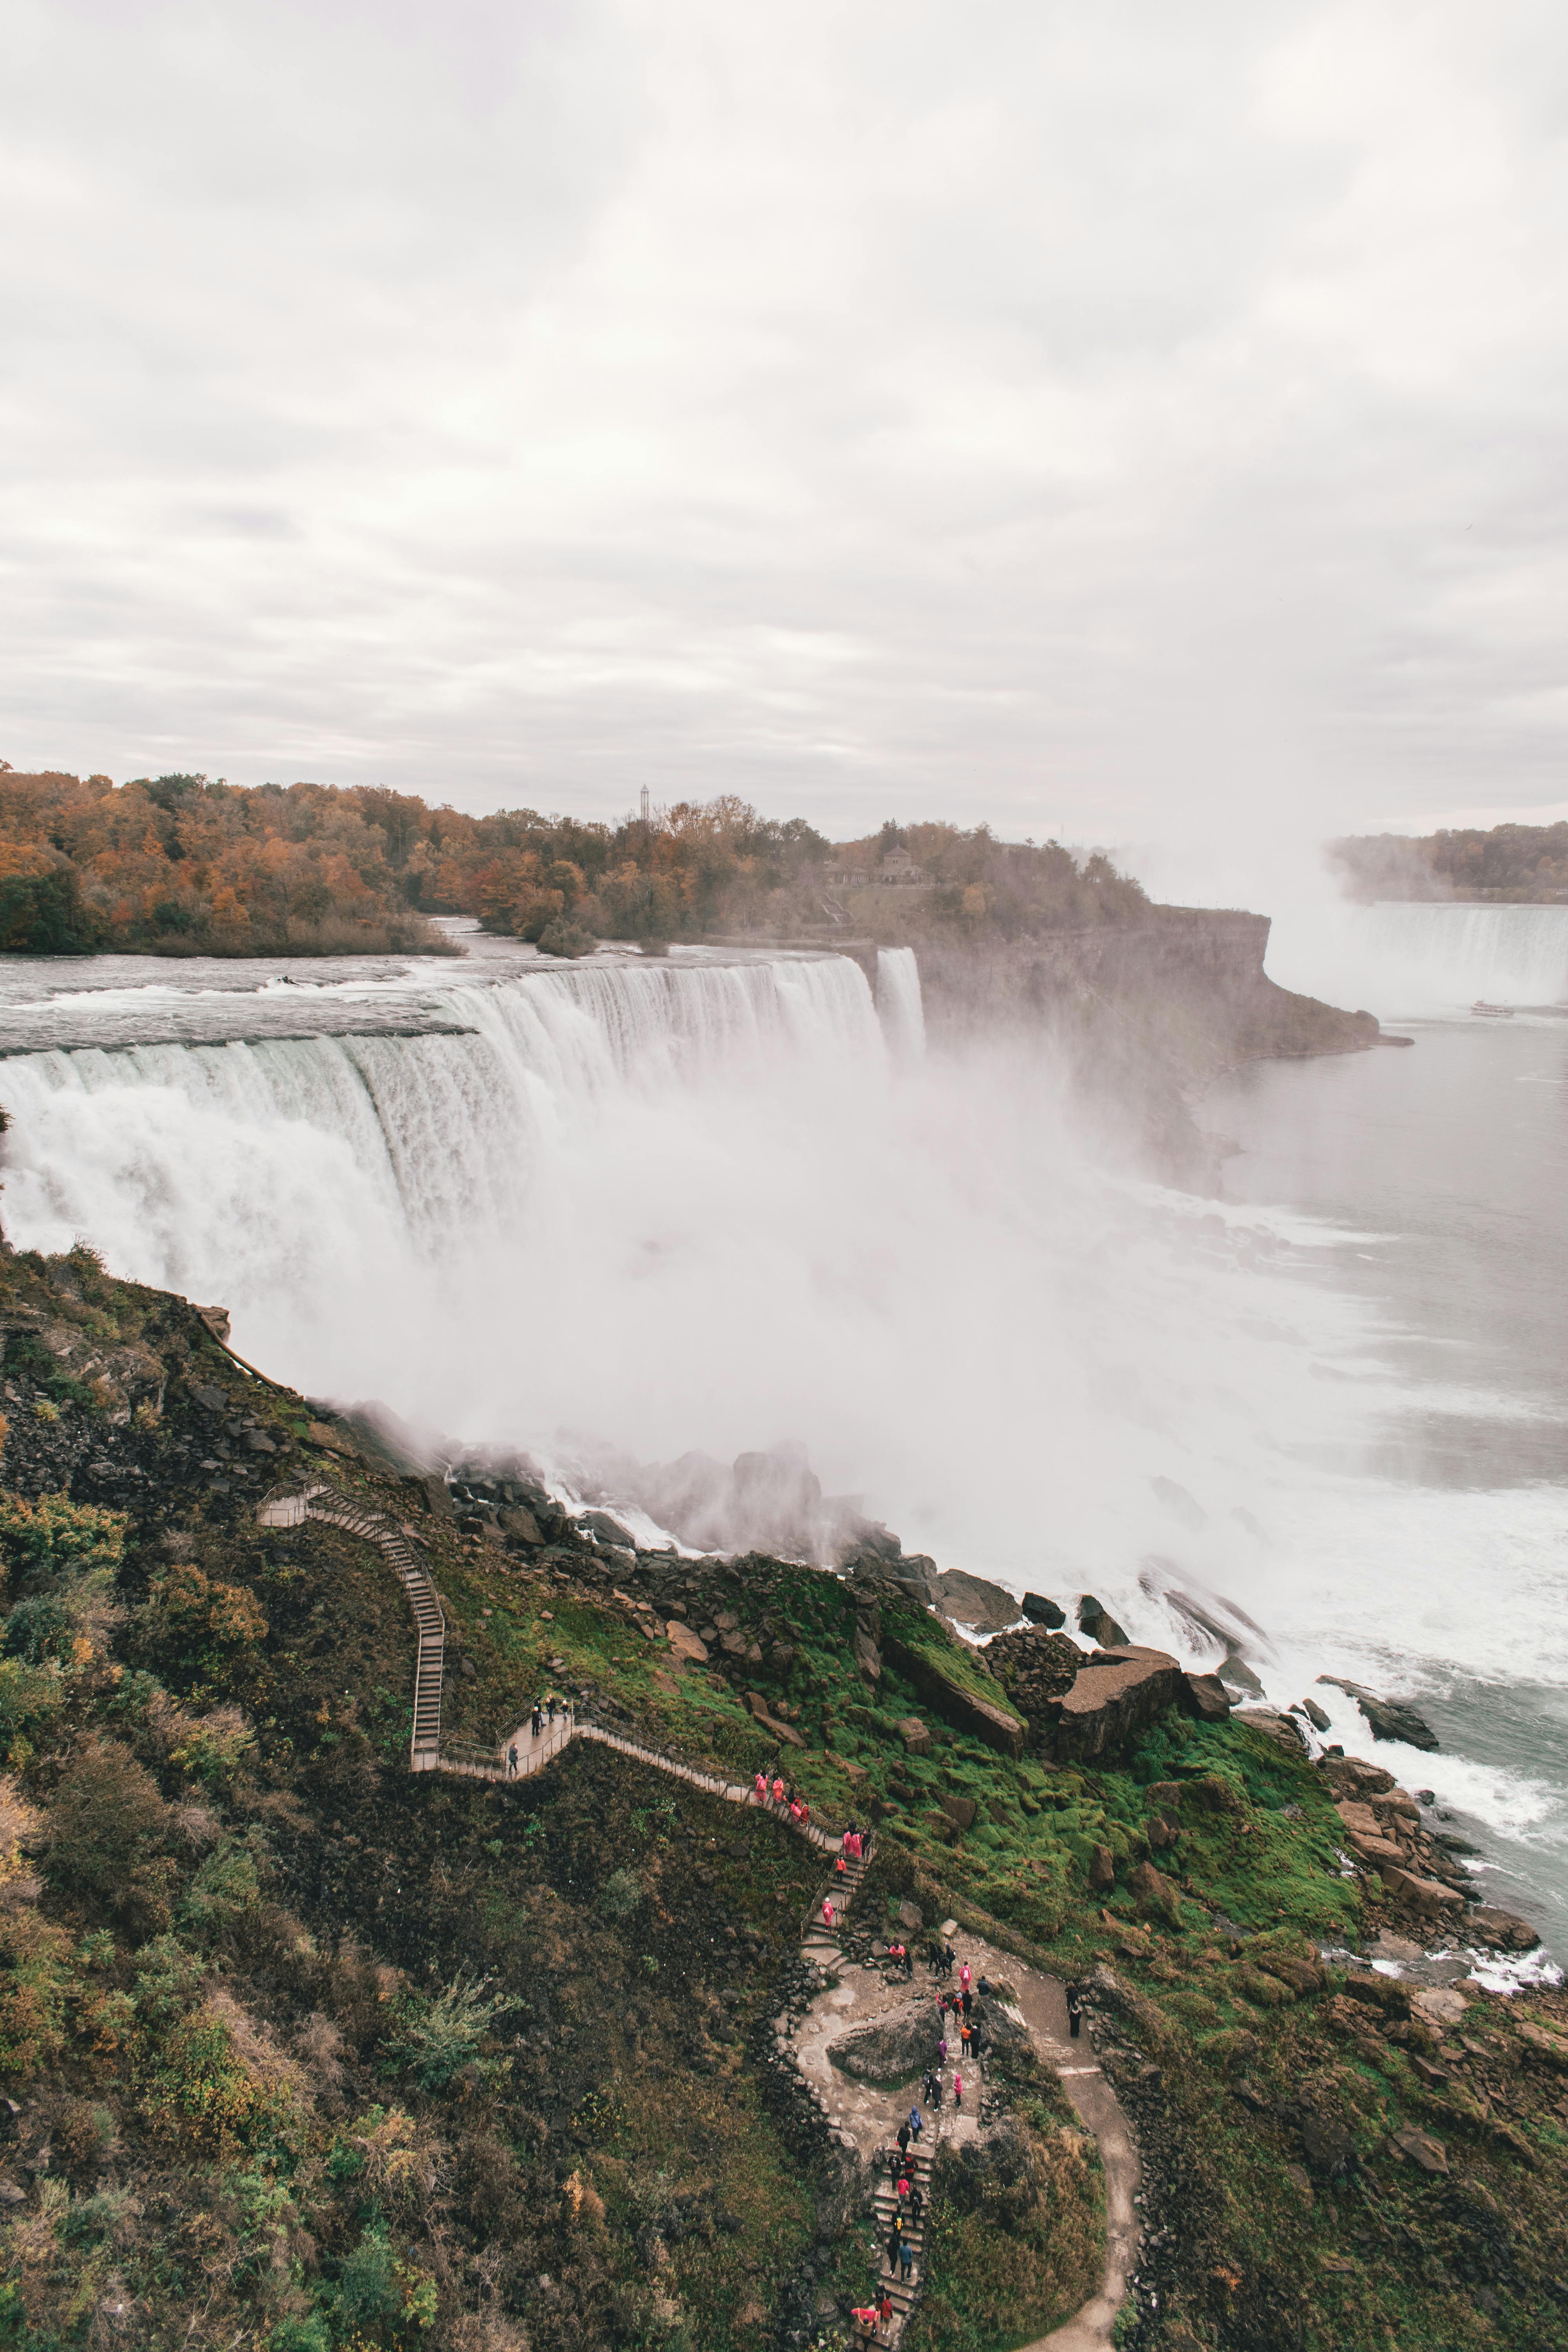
1110,1703
1440,2006
1421,2149
868,1656
770,1722
1101,1866
1274,1726
914,1734
959,1810
1304,1977
1205,1696
1550,2046
892,2055
1421,1893
1237,1675
1504,1930
1387,1718
685,1642
608,1530
1095,1620
1327,2143
1353,1776
1041,1612
971,1600
912,1918
1314,1714
960,1707
1156,1892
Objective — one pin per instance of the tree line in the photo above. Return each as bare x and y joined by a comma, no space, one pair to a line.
186,865
1518,864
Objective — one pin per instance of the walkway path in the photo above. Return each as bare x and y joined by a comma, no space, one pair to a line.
853,1996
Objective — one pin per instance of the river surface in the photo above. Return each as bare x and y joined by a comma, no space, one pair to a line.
632,1212
1438,1178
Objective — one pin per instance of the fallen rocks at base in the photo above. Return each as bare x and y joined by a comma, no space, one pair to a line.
1114,1698
1041,1612
971,1600
1504,1930
1206,1697
1095,1620
1387,1718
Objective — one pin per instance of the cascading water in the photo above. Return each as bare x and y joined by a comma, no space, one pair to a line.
898,1005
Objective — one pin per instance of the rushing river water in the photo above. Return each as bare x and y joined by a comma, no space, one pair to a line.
625,1209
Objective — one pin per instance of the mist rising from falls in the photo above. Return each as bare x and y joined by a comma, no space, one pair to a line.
668,1208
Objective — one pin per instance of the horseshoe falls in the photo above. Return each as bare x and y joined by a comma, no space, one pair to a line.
1404,959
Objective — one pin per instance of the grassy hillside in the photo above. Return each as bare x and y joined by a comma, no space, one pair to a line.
307,2052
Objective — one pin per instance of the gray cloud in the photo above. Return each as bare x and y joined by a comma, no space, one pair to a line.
1138,421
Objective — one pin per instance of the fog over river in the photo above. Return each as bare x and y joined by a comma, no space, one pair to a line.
718,1203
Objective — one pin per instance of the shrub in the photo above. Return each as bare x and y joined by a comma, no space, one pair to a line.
201,1628
436,2039
36,1980
106,1825
52,1537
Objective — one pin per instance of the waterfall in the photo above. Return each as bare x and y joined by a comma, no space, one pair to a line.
1402,957
635,1209
898,1005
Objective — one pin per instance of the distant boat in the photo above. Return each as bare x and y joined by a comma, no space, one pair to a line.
1493,1011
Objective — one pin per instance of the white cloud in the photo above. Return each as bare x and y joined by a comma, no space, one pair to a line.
1145,422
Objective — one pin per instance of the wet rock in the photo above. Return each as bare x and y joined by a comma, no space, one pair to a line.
1041,1612
1095,1620
1274,1726
1205,1696
1314,1714
1386,1719
1504,1930
1237,1675
971,1600
1421,1893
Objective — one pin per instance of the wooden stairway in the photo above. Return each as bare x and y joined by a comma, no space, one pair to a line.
342,1511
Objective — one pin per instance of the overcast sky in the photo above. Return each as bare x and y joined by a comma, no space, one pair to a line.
1129,420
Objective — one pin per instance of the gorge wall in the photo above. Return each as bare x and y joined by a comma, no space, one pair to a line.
1146,1015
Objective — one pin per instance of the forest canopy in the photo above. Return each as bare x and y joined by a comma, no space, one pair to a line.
1521,864
185,864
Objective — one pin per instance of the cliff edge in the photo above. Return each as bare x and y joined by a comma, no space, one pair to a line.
1146,1014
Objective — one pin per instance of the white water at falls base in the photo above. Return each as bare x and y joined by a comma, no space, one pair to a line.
656,1207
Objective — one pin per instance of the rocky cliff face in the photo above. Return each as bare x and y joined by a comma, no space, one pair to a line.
1144,1016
